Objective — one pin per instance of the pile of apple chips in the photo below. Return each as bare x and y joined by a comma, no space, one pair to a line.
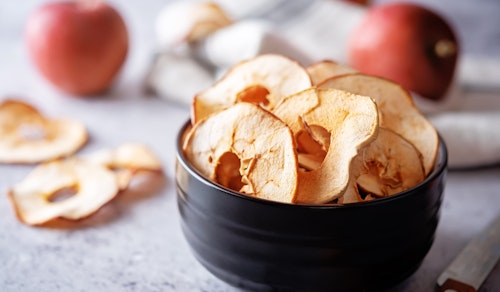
322,134
63,185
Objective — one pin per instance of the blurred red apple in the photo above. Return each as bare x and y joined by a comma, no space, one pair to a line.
359,2
407,43
79,46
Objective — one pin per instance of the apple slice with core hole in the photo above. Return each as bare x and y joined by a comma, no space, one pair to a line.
263,80
387,166
26,136
246,148
91,186
126,160
189,21
351,120
396,111
134,156
323,70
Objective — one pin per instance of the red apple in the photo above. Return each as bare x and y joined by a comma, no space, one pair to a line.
79,46
359,2
407,43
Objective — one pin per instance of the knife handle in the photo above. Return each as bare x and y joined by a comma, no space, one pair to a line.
451,285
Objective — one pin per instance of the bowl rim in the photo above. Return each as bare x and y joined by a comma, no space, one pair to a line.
440,165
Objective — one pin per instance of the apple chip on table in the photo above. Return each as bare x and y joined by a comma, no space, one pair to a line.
63,185
126,160
354,137
89,182
27,136
89,187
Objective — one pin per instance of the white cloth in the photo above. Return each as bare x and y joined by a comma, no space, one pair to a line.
468,118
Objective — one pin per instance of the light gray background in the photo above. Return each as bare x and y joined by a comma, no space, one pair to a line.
135,242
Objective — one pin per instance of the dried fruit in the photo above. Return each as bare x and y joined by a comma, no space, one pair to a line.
90,185
266,131
26,136
186,21
247,149
387,166
323,70
396,110
125,160
263,80
351,120
134,156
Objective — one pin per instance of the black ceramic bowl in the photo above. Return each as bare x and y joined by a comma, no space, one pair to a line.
256,244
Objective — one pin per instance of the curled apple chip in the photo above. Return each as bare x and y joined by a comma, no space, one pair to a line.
26,136
356,137
125,160
387,166
88,186
188,21
210,17
352,195
134,156
263,80
351,120
396,111
323,70
247,149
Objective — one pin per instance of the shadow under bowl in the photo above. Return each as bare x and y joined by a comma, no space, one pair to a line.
258,245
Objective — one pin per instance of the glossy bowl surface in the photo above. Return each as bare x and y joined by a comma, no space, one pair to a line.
260,245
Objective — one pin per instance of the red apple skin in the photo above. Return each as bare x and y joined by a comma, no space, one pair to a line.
397,41
77,46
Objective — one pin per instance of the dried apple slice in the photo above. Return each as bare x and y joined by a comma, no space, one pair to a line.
352,122
247,148
323,70
308,145
396,111
351,195
312,144
181,22
126,160
93,186
264,80
135,156
387,166
308,161
391,164
26,136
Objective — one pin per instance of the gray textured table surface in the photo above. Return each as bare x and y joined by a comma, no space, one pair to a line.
135,242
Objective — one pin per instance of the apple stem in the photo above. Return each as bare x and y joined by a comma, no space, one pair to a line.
445,48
